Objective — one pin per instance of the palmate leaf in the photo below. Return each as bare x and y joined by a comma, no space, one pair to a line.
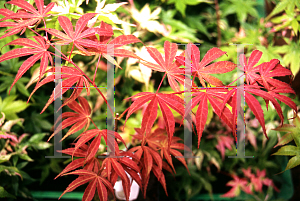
248,66
271,69
39,51
96,134
106,47
237,185
202,69
29,18
158,140
96,182
70,77
149,160
174,74
215,97
80,119
117,166
77,37
266,70
254,104
165,101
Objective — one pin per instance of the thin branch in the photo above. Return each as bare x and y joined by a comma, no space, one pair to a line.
219,40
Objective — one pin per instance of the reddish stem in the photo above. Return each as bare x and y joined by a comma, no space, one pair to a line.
161,82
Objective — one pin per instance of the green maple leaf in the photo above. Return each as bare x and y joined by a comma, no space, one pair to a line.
293,133
180,5
242,8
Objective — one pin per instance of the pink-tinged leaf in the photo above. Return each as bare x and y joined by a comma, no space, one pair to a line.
23,4
49,8
237,184
211,55
267,96
40,52
82,22
19,52
220,67
66,25
168,118
124,40
80,119
156,55
254,58
170,53
226,116
66,39
40,5
195,56
28,43
77,153
25,66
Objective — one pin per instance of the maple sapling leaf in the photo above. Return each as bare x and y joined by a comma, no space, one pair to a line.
26,18
39,51
77,37
170,68
165,102
80,119
201,69
70,77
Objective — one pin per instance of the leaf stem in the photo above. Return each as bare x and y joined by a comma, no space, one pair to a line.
71,51
96,68
219,40
161,82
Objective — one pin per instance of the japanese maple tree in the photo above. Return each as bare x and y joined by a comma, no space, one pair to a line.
100,170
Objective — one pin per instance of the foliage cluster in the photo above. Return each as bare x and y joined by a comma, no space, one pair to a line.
163,102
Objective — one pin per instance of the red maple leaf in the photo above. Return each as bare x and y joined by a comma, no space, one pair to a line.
77,37
70,77
95,182
248,66
24,19
39,51
215,97
158,140
80,119
271,69
149,160
165,101
166,65
202,69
